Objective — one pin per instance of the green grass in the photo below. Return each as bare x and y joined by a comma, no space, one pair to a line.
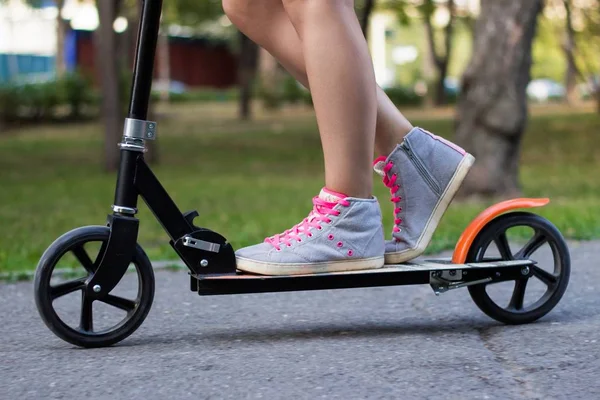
249,180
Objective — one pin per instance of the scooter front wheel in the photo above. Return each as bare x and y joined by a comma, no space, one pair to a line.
550,273
81,330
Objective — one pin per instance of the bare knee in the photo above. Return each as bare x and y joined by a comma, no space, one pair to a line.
238,11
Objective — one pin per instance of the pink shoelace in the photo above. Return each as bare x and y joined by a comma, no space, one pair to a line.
391,183
319,214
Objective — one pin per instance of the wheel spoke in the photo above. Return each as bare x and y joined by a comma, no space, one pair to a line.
544,276
119,302
100,254
516,301
66,288
86,322
534,243
503,246
84,258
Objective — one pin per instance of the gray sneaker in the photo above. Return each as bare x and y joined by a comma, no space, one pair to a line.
340,234
423,173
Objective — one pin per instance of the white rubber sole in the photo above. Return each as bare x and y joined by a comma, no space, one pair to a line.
434,219
277,269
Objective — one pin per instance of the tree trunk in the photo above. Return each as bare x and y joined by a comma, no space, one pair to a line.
270,80
164,64
569,49
246,73
492,111
61,33
366,16
433,57
440,87
106,40
440,61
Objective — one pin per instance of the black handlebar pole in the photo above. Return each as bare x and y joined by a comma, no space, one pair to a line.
125,193
144,59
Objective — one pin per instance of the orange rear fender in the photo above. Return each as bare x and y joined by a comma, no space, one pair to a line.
468,236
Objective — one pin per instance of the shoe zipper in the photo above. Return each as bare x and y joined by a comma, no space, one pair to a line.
421,168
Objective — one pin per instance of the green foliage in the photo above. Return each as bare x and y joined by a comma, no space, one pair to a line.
205,95
288,91
78,93
66,98
40,100
9,104
404,96
280,166
293,92
191,12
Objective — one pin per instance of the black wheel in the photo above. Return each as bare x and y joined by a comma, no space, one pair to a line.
548,278
83,246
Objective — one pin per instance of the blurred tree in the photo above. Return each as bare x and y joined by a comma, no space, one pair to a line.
589,49
440,58
569,47
247,68
440,50
365,16
576,26
492,110
112,108
61,32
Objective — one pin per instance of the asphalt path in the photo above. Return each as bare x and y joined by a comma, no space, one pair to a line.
388,343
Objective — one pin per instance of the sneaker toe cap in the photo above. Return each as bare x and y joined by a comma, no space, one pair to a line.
258,251
266,253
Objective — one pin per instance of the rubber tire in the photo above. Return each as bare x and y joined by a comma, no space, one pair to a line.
504,222
43,302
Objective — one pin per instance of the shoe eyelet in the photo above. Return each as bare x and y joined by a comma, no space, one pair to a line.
289,245
350,253
330,237
340,244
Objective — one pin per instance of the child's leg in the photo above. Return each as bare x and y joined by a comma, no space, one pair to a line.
344,231
279,37
342,83
423,173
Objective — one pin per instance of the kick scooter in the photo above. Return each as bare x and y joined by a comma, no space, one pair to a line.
211,258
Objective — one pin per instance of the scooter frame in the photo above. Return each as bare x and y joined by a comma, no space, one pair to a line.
210,258
207,254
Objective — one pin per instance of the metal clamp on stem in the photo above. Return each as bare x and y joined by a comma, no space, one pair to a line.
138,129
133,144
124,210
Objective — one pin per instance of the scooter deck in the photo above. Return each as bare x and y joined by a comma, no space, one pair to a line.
441,274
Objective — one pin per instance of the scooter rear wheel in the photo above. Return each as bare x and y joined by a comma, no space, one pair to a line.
46,293
555,282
